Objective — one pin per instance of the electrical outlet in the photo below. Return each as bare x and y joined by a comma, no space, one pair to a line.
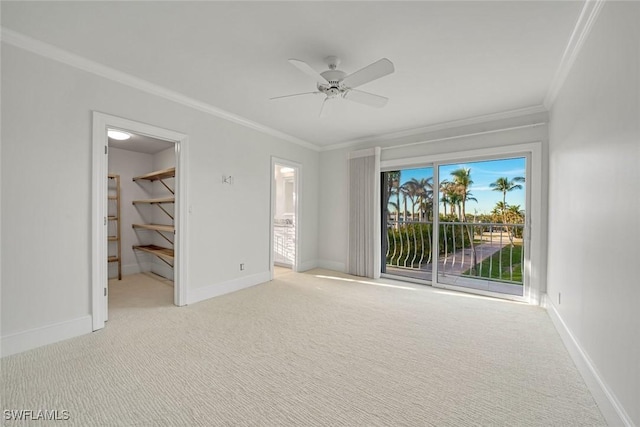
241,266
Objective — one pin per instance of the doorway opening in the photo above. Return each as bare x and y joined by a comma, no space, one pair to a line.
140,220
138,214
285,219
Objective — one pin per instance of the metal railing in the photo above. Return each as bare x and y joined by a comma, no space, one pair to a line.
284,241
409,244
490,251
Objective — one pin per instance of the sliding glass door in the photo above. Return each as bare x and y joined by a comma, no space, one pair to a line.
458,225
407,216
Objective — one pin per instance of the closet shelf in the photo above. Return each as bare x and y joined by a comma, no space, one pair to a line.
113,205
156,250
165,255
156,227
157,175
156,201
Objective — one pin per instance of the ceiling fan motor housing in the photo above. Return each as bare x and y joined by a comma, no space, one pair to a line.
335,87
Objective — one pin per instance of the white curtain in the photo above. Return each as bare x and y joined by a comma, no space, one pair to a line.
364,213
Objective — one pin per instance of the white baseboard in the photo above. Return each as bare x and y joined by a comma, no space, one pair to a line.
135,268
206,292
332,265
611,409
307,265
49,334
162,270
128,269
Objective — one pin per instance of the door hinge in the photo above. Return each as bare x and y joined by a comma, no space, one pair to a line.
105,292
106,149
105,220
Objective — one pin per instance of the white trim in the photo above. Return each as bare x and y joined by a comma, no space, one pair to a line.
408,279
206,292
101,122
590,12
49,51
606,400
466,135
332,265
521,112
297,186
49,334
141,267
182,209
307,265
367,152
99,251
387,165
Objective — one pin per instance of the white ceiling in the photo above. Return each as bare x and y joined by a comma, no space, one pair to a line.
141,144
453,60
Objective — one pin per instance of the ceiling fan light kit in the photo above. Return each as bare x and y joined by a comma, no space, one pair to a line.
336,84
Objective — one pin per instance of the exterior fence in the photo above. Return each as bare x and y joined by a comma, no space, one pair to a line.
492,251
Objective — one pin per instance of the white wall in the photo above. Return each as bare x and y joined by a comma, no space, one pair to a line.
46,190
129,164
594,202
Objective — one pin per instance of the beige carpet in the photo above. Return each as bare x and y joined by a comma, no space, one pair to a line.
305,350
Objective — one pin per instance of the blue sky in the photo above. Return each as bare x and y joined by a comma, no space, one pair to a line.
482,173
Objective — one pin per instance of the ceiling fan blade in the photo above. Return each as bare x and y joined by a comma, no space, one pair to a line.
327,107
369,73
366,98
306,68
296,94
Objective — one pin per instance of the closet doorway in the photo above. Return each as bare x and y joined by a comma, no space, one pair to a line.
138,216
285,220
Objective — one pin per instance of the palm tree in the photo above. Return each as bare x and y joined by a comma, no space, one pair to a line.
450,195
392,183
498,211
454,201
515,216
505,185
409,190
462,179
423,191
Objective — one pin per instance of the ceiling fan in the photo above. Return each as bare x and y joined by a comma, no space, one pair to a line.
336,84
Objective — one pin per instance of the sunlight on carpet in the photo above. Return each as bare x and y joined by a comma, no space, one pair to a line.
308,350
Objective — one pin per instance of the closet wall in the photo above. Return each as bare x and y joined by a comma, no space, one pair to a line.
128,164
162,160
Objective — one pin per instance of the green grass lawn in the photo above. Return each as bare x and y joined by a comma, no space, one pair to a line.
510,260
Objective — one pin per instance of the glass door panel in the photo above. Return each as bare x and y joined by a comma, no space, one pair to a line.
482,213
407,218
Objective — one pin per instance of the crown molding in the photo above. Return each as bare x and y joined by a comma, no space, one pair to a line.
588,16
57,54
439,126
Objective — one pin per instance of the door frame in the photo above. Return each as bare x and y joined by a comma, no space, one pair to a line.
534,284
99,270
296,188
